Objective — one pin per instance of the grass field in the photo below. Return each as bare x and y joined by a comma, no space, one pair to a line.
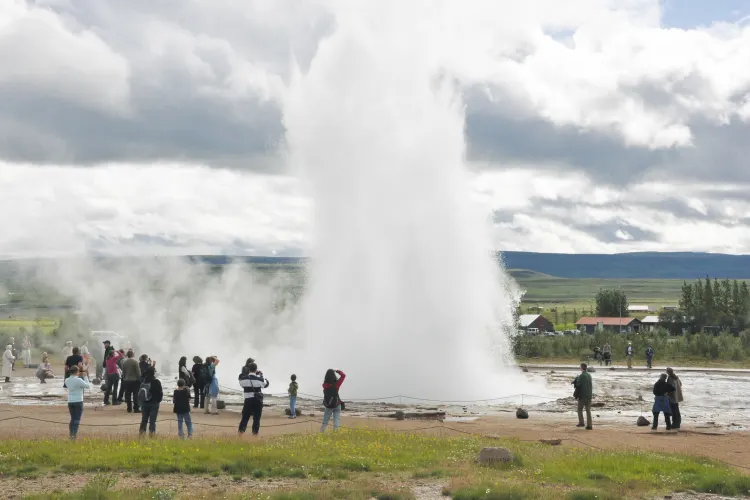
46,325
542,289
369,463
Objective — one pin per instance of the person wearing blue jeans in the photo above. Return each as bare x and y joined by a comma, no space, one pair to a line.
181,401
75,386
331,399
293,388
150,396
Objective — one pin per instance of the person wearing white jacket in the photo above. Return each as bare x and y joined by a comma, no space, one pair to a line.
8,360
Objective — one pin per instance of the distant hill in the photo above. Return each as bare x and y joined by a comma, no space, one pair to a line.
645,265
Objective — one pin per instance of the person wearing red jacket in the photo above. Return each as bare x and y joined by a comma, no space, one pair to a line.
331,399
113,377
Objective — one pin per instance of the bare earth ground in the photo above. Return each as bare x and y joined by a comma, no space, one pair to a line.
50,421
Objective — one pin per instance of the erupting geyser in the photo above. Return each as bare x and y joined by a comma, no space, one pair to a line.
404,292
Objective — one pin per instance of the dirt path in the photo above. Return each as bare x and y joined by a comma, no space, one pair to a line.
29,422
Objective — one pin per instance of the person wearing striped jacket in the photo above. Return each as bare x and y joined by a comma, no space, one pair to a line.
252,383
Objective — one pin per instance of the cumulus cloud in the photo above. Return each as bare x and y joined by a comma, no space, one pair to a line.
141,126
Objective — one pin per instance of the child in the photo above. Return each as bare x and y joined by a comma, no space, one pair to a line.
181,400
293,387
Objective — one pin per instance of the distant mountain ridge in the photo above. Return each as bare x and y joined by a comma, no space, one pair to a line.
643,265
640,265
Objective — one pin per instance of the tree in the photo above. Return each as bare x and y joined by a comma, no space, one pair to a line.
611,303
736,308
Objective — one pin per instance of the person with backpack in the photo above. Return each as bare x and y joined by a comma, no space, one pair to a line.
331,399
131,380
252,383
121,392
181,401
75,385
200,385
184,374
150,395
293,388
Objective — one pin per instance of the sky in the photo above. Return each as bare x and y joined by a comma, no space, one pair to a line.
141,127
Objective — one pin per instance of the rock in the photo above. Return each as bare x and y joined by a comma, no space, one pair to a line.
598,404
399,415
220,404
591,369
612,368
288,412
494,455
525,370
642,422
96,381
551,442
521,413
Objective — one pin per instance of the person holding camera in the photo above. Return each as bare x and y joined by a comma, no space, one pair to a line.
252,382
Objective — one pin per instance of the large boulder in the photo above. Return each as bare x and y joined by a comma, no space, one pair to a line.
494,455
642,422
521,413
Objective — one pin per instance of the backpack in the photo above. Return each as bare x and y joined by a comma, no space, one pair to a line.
144,393
205,377
331,397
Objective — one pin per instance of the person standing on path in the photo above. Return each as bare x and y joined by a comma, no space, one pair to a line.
113,377
75,385
185,374
293,388
8,360
26,351
199,385
181,401
585,389
661,402
607,354
675,398
649,356
150,396
76,360
331,399
67,352
629,354
131,380
252,383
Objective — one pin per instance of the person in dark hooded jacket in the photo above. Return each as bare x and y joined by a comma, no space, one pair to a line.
661,402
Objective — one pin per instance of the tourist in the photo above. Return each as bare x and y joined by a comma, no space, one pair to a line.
181,401
67,351
74,359
607,354
293,388
131,380
149,396
212,386
44,371
84,373
107,349
649,356
585,391
113,377
121,392
184,374
252,383
598,354
629,354
675,398
200,383
76,385
661,402
144,363
331,399
26,351
8,360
